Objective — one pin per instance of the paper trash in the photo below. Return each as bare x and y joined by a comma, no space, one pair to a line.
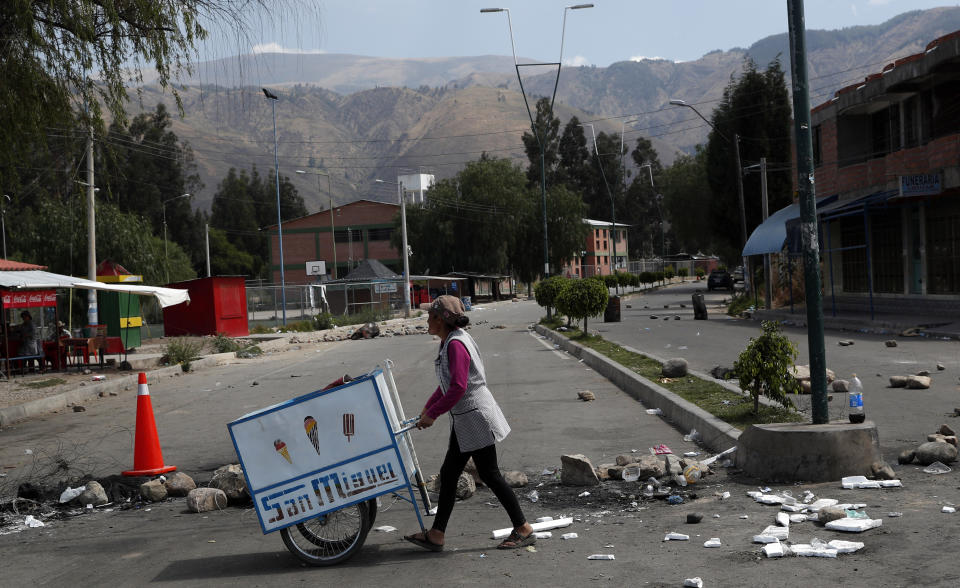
849,525
601,556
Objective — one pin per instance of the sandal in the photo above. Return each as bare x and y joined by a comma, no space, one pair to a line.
425,543
515,540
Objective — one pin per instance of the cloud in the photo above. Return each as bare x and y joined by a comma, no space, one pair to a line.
642,58
577,61
879,2
277,48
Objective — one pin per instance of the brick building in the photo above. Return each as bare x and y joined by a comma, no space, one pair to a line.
363,230
595,258
888,149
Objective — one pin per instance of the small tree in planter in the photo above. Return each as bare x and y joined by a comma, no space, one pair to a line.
546,292
700,273
624,279
764,366
683,273
669,272
582,299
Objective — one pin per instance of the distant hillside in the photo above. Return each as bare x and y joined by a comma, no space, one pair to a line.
363,118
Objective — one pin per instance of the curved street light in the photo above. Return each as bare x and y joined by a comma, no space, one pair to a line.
163,206
276,173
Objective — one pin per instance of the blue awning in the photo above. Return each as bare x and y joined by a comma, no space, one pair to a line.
771,234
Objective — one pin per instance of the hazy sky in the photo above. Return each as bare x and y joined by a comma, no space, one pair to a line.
614,30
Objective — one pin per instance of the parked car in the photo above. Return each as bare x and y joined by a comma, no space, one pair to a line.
738,274
719,279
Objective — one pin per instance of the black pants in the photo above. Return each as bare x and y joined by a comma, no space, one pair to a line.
486,461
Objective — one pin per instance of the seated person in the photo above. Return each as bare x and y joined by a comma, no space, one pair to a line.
29,345
60,332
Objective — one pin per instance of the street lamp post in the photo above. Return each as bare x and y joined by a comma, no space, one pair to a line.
659,199
163,206
333,232
533,126
406,254
613,208
743,212
276,172
3,224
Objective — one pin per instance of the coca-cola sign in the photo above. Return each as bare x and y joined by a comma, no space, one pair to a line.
29,298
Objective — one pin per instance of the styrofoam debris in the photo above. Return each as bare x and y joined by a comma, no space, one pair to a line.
798,518
793,507
544,526
807,550
754,494
543,534
783,519
894,514
71,493
769,499
712,542
822,503
693,583
583,494
937,468
849,525
808,496
655,411
569,536
774,549
851,482
948,509
845,546
714,458
433,511
601,556
385,529
544,519
32,522
676,537
781,533
744,516
691,454
725,496
890,483
765,539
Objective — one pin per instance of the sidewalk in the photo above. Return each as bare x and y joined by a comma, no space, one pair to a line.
933,326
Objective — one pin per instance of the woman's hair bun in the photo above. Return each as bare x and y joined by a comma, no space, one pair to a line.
461,321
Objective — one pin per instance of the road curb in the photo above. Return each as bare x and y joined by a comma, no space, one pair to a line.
42,406
716,434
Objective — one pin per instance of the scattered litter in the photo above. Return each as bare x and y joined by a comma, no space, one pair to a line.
792,508
483,555
544,526
543,534
385,529
849,525
725,496
71,493
676,537
693,583
845,546
693,436
531,549
815,548
32,522
583,494
937,468
28,451
631,473
783,519
432,511
712,542
744,516
548,472
948,509
660,450
853,514
765,489
808,496
533,496
777,532
675,499
655,411
567,536
773,549
710,460
822,503
798,518
851,482
601,556
890,483
691,454
682,347
716,516
894,514
98,378
544,519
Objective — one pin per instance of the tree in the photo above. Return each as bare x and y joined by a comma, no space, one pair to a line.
233,212
547,126
755,107
764,366
583,298
547,291
641,210
686,190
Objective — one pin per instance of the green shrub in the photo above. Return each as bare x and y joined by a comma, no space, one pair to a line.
623,278
323,321
582,299
647,278
546,292
657,276
610,280
700,273
669,272
764,366
183,351
367,316
224,344
739,304
683,272
261,330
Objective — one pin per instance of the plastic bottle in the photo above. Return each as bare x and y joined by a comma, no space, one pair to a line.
855,396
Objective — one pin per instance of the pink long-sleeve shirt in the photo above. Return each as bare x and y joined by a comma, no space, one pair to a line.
459,360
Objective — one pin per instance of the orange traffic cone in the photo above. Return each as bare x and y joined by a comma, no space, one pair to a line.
147,457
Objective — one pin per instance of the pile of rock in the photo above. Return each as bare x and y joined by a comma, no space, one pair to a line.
940,446
577,470
801,373
918,381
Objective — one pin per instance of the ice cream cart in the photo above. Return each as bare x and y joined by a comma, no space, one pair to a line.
315,465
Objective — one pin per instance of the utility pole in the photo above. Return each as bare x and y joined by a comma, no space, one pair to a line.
747,278
765,206
206,228
808,211
92,314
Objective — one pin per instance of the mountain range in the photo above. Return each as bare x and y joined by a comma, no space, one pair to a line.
362,118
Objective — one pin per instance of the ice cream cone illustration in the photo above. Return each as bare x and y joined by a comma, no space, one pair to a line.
348,425
281,448
310,426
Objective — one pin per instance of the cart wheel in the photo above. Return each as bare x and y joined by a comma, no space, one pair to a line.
330,539
372,509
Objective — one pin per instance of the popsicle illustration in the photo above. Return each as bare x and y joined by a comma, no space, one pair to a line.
348,425
281,448
310,426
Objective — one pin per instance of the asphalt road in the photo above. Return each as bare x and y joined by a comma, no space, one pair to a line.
904,417
537,388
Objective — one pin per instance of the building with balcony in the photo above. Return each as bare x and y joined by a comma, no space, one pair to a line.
887,172
596,258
